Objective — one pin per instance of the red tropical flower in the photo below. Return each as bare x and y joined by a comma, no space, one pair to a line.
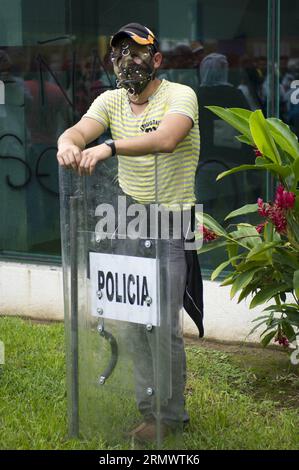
208,235
283,198
276,215
263,208
257,153
260,227
276,212
282,339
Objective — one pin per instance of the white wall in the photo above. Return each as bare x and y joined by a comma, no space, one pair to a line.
36,291
31,290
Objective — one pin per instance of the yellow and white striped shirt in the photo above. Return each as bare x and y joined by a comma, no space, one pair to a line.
167,178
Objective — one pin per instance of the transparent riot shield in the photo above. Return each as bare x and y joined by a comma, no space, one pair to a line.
123,289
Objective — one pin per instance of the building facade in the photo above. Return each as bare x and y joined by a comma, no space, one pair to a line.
54,60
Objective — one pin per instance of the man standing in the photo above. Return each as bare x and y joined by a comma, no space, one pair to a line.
152,122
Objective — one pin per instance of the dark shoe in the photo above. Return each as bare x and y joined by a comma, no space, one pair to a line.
148,432
137,429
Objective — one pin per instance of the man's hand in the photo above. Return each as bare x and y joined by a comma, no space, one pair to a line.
69,156
91,156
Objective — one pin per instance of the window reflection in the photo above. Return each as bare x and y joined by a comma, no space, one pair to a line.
217,48
289,108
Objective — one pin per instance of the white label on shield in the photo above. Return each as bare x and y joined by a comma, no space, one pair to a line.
124,288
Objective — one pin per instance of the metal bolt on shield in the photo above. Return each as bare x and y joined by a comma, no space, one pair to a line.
99,294
148,300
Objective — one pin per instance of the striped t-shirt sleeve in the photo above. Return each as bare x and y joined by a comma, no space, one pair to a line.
184,101
98,110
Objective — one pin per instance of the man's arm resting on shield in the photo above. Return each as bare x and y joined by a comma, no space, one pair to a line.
74,140
171,131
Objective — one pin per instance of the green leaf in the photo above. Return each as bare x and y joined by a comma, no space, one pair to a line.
267,293
228,280
284,137
285,258
232,250
262,136
242,280
242,113
247,209
212,224
282,308
294,227
260,249
222,266
266,340
213,245
236,169
283,171
296,283
236,121
246,235
244,139
245,292
260,161
247,265
260,318
273,308
268,232
293,317
288,330
295,170
257,326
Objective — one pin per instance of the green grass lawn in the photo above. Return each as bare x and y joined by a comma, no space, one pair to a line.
237,397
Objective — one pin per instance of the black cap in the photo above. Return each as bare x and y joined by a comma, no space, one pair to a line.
139,33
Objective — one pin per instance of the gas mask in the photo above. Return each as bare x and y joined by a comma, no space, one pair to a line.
133,67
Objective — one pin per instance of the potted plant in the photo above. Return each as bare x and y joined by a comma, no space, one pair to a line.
264,258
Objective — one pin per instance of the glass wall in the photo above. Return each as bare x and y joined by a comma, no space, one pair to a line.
289,64
54,60
35,70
